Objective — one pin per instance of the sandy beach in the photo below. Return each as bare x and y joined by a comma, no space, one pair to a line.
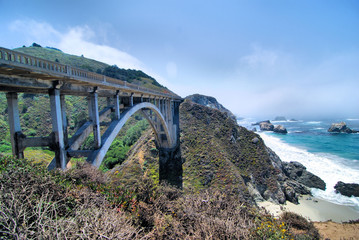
314,209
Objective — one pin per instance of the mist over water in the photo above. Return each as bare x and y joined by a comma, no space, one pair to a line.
331,156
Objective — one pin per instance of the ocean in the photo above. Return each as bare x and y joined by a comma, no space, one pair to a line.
331,156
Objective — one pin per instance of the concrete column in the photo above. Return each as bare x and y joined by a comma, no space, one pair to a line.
165,110
14,123
95,118
57,128
64,118
161,105
169,112
117,105
131,100
141,98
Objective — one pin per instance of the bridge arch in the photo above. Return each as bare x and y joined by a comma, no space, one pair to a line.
109,136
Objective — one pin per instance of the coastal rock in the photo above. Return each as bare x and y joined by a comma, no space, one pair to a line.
280,129
211,102
340,128
347,189
255,140
265,126
296,171
280,118
258,123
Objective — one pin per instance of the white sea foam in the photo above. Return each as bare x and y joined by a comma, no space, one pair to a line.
328,167
313,122
352,119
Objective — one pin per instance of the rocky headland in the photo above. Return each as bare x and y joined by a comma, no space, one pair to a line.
211,102
218,153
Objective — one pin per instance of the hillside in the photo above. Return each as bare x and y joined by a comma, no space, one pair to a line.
56,55
218,154
211,102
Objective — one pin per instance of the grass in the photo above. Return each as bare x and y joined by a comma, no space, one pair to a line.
85,203
63,58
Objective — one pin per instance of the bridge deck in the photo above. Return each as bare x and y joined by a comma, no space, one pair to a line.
24,73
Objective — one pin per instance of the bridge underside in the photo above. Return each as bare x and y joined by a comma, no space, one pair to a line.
21,73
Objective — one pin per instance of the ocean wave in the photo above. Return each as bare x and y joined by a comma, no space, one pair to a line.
328,167
352,119
313,122
296,131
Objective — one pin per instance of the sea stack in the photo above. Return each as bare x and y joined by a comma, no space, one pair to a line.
280,129
340,128
266,126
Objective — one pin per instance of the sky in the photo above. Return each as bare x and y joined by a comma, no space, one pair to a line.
259,58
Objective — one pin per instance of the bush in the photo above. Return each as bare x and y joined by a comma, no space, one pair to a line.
37,204
301,228
36,45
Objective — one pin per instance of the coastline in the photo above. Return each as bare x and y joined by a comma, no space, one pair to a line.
313,209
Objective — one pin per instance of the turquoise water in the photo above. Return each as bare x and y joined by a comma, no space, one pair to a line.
331,156
315,138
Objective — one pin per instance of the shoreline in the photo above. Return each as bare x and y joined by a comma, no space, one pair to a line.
313,209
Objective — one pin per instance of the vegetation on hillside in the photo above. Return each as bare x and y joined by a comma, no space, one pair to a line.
82,203
218,153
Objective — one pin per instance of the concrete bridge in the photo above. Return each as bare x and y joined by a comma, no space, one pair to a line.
21,73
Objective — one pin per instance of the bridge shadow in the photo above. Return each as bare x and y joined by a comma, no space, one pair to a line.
170,165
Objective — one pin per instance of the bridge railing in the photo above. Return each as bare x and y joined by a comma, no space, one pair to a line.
21,59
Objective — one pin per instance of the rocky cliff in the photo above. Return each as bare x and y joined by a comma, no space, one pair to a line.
217,153
210,102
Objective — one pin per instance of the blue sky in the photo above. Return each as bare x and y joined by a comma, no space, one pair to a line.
258,58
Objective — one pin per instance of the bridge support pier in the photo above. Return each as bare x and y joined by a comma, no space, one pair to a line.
57,128
14,123
95,118
64,119
117,106
170,169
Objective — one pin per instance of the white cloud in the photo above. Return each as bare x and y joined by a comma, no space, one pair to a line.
259,59
34,31
76,40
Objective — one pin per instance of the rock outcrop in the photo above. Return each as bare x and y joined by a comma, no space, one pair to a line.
258,123
347,189
268,126
265,126
280,118
296,171
280,129
340,128
210,102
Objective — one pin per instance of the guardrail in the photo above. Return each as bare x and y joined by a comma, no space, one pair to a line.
49,67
